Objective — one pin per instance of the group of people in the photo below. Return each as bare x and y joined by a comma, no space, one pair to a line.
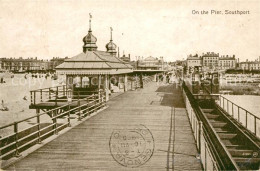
165,78
2,80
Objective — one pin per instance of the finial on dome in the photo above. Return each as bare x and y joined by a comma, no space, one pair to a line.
90,17
111,34
89,40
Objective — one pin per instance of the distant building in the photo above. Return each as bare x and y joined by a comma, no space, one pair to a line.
151,63
55,61
250,65
29,64
210,60
193,61
227,62
125,58
182,63
20,64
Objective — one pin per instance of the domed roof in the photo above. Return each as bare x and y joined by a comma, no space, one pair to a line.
111,46
89,42
89,38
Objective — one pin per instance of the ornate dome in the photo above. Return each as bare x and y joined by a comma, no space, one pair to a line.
89,38
89,42
111,46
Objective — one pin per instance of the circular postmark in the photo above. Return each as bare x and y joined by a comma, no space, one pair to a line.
132,147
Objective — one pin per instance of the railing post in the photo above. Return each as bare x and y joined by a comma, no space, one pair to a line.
79,110
191,120
238,114
87,106
228,107
232,109
101,100
57,90
41,95
255,125
220,100
246,118
223,103
104,100
96,98
34,97
17,154
63,90
31,97
99,96
49,93
69,125
200,135
56,102
205,167
38,126
55,121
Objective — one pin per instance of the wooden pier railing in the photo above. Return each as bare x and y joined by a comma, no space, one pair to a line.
45,126
46,94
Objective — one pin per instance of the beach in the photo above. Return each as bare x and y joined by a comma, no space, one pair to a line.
13,92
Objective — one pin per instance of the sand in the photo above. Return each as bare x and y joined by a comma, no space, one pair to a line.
13,92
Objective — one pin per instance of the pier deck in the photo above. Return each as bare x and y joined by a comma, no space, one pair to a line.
86,146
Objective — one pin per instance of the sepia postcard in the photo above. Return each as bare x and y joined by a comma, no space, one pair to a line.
129,85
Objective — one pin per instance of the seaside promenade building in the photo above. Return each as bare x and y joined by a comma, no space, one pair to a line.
151,63
250,65
211,61
227,62
29,64
20,64
193,61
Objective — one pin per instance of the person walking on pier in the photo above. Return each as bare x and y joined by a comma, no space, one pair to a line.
4,108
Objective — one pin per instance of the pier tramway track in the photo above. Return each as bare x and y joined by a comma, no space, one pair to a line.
244,149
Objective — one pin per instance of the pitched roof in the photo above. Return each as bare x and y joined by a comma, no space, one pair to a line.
94,60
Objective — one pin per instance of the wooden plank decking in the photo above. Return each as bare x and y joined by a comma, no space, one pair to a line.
86,146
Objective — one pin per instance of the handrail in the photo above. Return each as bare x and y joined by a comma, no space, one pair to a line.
230,111
51,110
240,107
223,158
14,142
49,88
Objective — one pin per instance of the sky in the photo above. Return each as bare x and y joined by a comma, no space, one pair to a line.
46,29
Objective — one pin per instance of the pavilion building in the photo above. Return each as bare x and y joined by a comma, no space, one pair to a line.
93,70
